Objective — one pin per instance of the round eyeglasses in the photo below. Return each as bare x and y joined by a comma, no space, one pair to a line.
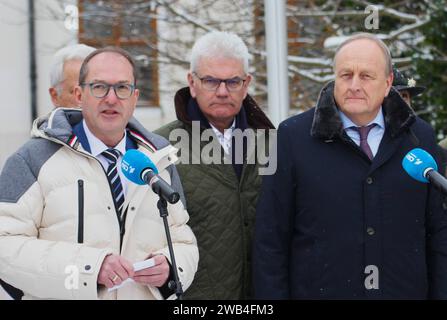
100,89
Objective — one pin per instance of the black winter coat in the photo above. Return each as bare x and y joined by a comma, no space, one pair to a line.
329,215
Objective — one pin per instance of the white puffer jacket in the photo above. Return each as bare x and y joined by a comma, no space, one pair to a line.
54,195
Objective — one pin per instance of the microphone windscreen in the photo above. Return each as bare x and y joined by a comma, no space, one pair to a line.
134,162
416,162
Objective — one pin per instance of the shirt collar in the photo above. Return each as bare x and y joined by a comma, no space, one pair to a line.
378,120
97,146
227,132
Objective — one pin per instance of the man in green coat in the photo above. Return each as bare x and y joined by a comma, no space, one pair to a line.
221,172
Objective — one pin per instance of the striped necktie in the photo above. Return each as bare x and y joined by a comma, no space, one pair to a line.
112,156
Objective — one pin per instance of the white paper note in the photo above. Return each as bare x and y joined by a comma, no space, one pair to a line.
137,266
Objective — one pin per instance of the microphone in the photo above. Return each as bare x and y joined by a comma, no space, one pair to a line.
420,165
138,168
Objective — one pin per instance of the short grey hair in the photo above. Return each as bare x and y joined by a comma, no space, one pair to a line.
375,39
219,44
73,52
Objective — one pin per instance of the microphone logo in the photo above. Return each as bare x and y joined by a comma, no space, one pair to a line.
125,166
413,158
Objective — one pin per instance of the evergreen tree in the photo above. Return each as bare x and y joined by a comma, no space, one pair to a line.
431,67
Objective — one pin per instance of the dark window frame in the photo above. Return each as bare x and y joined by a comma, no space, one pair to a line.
117,39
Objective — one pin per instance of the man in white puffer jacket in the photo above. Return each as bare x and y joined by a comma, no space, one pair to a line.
63,235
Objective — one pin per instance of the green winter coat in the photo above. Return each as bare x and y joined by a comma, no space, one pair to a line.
222,211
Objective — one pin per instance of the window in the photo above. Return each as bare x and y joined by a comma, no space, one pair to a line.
131,25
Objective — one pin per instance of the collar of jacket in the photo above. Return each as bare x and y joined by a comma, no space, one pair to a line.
327,123
60,122
256,118
79,132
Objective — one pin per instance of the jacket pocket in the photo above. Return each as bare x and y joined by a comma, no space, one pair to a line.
80,211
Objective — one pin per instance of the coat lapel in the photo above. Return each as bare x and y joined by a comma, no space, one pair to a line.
388,146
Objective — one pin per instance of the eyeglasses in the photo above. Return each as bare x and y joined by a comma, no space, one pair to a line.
100,89
211,84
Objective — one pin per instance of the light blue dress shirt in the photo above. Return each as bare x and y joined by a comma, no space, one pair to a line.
374,136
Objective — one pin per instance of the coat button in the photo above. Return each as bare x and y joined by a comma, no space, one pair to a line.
87,267
369,180
370,231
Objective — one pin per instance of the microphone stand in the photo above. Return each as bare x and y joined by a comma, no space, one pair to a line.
175,284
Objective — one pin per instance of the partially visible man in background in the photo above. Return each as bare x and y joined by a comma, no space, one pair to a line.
406,87
64,74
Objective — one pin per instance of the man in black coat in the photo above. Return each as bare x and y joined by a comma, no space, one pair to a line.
340,218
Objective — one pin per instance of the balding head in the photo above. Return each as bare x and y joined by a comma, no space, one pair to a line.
371,37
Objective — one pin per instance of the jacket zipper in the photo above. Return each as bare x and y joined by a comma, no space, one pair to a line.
81,187
80,211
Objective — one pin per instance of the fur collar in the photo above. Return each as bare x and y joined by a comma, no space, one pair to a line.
328,125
